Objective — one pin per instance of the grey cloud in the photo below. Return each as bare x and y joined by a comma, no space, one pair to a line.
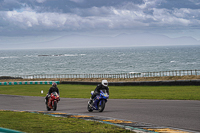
170,4
40,1
62,5
66,5
44,16
9,5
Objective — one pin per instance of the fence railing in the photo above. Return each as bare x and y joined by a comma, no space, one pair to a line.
121,75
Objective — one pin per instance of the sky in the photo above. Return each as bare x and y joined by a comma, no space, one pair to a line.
100,23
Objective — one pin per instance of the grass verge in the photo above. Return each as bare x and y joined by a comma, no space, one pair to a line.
116,92
35,123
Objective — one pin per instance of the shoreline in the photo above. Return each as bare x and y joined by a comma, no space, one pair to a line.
164,78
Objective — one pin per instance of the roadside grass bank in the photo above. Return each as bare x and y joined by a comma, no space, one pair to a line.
116,92
35,123
163,78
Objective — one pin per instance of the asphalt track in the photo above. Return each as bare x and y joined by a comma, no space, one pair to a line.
181,114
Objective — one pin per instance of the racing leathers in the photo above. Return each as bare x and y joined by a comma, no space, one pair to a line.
97,90
52,89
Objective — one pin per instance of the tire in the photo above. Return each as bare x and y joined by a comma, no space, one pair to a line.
55,106
102,106
89,108
48,109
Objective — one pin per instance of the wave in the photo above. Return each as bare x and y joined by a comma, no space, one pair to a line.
61,55
51,55
30,56
192,63
42,55
9,57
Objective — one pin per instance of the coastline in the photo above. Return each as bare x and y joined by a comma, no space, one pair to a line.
164,78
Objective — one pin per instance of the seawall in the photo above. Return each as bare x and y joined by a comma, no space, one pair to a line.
141,83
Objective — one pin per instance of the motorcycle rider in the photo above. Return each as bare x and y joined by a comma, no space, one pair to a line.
102,86
54,88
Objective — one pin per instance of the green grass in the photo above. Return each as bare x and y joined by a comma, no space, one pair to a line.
28,122
37,123
116,92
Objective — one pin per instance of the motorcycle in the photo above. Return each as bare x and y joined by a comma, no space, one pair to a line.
52,101
98,102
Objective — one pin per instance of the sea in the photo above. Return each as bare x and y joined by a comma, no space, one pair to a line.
107,60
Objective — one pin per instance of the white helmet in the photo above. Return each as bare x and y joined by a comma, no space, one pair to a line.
104,82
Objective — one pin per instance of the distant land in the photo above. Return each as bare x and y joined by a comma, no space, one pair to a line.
81,41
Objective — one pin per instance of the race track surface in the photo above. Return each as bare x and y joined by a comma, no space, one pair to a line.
182,114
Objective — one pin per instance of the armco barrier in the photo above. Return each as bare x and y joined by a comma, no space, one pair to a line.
29,82
141,83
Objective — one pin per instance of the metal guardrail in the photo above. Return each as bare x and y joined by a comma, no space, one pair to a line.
121,75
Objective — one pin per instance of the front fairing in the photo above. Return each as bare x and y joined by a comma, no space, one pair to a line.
102,96
54,96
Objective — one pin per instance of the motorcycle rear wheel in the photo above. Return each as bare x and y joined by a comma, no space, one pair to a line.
102,106
48,109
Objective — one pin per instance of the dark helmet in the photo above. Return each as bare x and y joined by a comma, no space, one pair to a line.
54,85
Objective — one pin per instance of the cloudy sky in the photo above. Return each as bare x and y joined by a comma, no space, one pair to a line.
79,23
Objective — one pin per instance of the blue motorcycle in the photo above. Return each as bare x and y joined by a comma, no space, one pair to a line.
98,102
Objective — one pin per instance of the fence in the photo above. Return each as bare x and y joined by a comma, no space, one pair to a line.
122,75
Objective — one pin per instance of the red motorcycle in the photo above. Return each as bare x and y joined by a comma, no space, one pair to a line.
52,101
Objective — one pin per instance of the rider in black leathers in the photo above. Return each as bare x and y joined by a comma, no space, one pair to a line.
54,88
103,86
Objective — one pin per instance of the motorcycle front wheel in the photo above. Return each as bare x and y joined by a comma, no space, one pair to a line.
89,108
55,106
101,105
